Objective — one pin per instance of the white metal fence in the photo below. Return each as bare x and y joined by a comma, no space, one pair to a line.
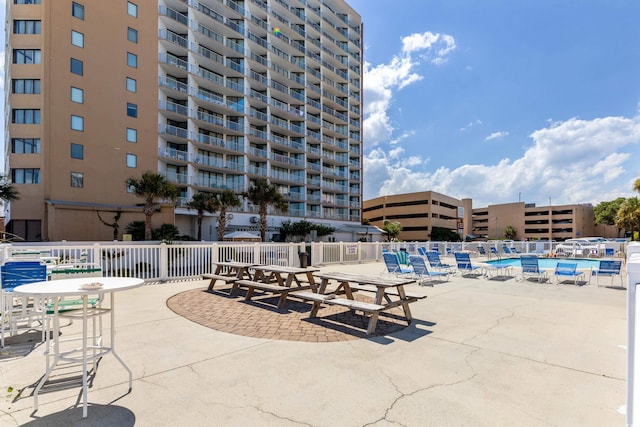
633,332
162,262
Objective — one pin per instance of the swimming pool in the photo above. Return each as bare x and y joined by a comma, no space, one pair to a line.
549,262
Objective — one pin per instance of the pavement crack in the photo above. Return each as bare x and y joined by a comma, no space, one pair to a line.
280,417
510,315
402,395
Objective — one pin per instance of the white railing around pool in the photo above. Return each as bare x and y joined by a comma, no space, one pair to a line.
179,260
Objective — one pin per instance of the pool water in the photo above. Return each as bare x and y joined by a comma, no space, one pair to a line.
549,262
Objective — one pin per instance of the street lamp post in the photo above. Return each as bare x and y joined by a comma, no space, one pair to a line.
550,222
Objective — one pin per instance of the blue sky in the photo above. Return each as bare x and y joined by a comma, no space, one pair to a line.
499,100
502,100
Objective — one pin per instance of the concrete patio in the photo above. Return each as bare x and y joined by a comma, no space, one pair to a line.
478,353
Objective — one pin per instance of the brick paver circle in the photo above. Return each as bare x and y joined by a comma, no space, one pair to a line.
260,317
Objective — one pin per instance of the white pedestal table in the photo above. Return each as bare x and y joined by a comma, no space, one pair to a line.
58,289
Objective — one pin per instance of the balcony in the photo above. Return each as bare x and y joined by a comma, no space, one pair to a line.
177,178
172,153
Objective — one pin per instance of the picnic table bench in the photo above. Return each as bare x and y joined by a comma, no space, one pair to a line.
251,285
384,287
228,272
215,277
277,279
331,299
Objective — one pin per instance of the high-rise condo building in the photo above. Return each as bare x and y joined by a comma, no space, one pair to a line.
212,94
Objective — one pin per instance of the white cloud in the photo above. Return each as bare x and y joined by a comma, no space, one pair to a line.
382,81
575,161
470,125
496,135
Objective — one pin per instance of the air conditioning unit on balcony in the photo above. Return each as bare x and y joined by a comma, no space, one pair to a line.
254,220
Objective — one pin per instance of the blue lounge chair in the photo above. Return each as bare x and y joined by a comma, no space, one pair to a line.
434,261
508,251
422,273
567,270
607,268
495,252
530,267
482,251
463,262
13,274
393,265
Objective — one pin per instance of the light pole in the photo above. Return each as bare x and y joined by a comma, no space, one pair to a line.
497,238
550,222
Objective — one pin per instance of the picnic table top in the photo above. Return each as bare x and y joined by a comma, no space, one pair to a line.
234,264
367,279
286,269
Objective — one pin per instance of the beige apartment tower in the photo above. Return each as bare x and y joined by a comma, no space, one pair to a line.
212,94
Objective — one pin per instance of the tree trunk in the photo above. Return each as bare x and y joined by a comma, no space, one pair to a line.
263,223
222,224
147,227
200,226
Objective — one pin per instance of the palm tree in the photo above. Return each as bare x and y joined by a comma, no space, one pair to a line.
203,202
227,199
153,188
628,216
8,192
263,194
636,185
510,232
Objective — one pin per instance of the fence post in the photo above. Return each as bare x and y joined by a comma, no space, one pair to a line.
633,279
318,254
164,262
5,251
256,253
96,256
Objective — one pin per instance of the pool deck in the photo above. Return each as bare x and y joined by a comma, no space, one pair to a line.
478,353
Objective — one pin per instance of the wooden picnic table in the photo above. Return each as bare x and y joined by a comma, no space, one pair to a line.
389,293
229,272
278,279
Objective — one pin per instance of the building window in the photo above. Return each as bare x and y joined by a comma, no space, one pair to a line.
21,26
132,35
132,9
132,110
25,116
26,1
132,85
77,10
25,176
77,67
77,95
77,179
132,135
77,151
77,39
25,86
77,123
132,60
26,56
25,145
132,161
